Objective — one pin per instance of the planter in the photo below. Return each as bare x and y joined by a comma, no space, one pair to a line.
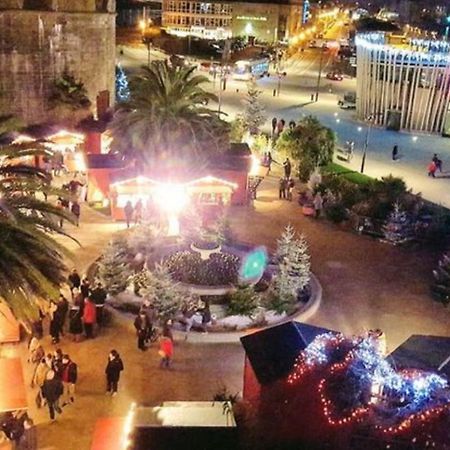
206,253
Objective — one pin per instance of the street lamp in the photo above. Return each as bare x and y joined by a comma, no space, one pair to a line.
322,50
366,141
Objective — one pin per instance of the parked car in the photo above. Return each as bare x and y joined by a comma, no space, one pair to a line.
346,105
335,76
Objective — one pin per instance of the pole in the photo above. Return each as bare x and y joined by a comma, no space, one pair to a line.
320,73
149,46
366,146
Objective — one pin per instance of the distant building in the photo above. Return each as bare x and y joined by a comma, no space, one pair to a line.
40,40
264,21
403,83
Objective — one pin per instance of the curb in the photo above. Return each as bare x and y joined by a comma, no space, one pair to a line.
308,310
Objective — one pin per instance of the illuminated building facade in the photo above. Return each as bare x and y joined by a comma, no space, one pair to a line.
268,22
403,84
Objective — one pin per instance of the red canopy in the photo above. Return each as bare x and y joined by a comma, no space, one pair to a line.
12,385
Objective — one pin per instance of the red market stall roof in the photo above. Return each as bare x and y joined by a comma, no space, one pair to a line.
9,327
109,434
12,387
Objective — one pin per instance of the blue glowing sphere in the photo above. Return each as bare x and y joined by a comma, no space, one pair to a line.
254,264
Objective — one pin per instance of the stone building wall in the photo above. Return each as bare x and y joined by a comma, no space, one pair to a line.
37,46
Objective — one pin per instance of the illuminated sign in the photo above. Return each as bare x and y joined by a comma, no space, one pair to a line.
305,15
261,19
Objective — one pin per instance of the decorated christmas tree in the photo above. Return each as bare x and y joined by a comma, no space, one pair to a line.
398,228
114,270
122,88
158,287
441,286
254,113
293,269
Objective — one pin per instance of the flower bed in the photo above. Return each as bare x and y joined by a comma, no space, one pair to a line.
218,269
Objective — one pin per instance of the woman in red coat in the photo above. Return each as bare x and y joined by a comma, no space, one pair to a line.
165,351
89,317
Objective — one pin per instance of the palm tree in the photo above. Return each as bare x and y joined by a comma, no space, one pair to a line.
31,260
166,121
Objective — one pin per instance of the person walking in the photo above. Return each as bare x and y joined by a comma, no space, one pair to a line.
290,188
76,211
287,168
282,188
437,162
318,204
62,310
143,328
138,212
165,352
52,391
395,152
89,317
432,169
112,371
74,280
69,379
274,125
128,211
39,376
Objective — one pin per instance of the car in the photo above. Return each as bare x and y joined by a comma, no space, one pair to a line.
346,105
335,76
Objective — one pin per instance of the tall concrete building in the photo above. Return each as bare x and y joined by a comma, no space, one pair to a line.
403,83
264,20
42,39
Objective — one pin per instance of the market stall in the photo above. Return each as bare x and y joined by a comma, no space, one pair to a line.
12,386
9,327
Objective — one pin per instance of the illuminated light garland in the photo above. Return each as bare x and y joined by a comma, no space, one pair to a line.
418,391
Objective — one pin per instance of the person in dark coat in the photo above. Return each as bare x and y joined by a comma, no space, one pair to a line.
52,391
69,379
143,329
76,211
75,322
395,152
85,288
98,296
287,168
74,279
55,322
112,371
62,310
282,188
274,125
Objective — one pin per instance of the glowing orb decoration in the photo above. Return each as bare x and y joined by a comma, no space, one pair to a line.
254,264
171,198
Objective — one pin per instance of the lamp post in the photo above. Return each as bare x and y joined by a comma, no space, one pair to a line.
366,140
322,49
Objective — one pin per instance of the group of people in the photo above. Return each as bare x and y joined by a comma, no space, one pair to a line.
278,126
434,166
74,187
133,212
55,376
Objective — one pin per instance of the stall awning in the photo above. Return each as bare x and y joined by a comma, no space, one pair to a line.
12,386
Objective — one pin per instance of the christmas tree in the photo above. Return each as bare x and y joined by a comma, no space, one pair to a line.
113,268
293,269
122,88
254,113
441,286
158,287
398,228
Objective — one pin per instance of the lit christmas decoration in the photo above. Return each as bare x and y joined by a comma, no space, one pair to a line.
254,264
122,88
356,365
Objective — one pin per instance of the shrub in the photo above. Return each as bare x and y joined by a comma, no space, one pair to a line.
336,212
243,301
218,269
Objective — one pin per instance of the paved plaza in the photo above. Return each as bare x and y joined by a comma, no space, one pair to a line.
366,284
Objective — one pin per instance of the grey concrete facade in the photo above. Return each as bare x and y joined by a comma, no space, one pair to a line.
37,46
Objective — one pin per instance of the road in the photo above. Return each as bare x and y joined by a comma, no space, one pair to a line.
294,102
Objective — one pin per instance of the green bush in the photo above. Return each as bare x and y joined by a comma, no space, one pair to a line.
280,304
336,212
243,301
218,269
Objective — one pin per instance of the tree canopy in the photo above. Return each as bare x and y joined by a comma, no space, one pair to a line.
309,143
166,122
31,260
